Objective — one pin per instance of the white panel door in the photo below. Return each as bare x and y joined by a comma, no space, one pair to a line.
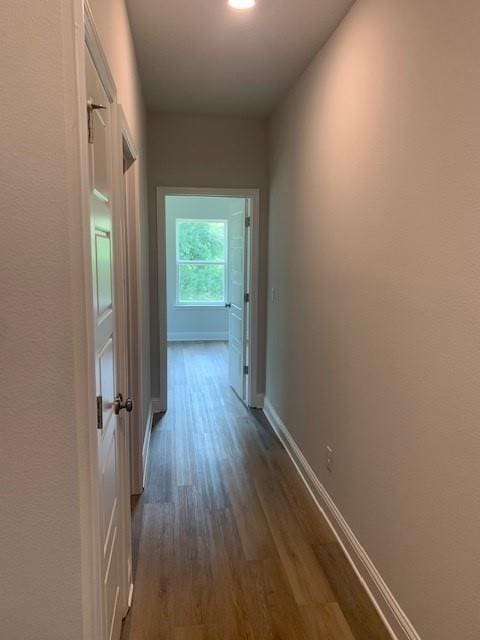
236,290
106,348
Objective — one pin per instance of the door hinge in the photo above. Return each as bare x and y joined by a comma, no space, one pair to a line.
99,412
245,370
247,221
246,297
91,107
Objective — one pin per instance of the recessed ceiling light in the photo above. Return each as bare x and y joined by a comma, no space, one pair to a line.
241,4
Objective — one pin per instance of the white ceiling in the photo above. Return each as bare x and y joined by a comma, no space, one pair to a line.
201,56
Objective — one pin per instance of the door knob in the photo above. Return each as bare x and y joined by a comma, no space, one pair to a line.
119,404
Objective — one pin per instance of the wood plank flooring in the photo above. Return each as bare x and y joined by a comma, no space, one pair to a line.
228,544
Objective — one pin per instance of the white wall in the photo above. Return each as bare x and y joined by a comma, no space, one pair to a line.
45,425
202,151
41,337
373,342
194,322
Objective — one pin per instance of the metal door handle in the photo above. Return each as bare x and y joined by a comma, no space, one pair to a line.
119,404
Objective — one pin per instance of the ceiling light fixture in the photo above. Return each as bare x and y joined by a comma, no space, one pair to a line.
241,4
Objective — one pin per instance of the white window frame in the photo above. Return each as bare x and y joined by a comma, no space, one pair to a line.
178,262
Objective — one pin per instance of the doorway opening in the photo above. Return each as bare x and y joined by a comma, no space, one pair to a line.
210,267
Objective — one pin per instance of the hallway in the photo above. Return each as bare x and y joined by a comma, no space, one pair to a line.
227,541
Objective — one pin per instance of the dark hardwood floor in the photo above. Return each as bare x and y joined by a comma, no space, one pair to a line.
228,543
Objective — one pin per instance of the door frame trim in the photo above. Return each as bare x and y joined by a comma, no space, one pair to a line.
253,395
135,291
128,239
94,44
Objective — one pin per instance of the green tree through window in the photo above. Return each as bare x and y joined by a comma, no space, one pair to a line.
201,261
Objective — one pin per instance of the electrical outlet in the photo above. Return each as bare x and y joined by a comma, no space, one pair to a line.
273,294
329,458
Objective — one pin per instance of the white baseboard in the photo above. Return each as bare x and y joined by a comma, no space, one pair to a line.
197,336
146,442
395,619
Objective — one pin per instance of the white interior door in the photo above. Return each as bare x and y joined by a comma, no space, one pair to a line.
236,304
108,351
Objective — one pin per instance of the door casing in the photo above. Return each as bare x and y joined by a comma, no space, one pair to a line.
129,189
254,399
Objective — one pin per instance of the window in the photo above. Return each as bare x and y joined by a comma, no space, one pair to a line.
201,247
